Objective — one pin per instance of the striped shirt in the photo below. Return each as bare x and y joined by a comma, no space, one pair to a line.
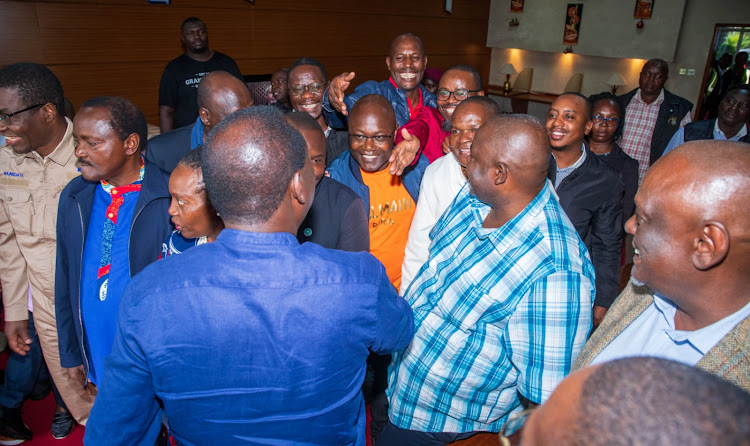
640,120
497,311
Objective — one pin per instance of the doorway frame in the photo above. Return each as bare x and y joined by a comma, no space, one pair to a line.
699,112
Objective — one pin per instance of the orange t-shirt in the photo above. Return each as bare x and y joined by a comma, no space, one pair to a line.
391,212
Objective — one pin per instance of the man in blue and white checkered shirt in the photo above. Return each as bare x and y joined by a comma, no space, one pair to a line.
503,305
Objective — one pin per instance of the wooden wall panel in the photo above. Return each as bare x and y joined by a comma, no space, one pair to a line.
120,47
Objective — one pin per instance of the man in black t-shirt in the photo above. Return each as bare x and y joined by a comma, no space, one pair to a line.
178,90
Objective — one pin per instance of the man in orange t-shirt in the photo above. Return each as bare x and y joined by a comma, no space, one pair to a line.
389,199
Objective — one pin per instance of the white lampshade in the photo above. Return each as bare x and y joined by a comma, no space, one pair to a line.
616,80
508,68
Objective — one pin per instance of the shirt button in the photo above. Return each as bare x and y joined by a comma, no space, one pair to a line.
114,191
110,215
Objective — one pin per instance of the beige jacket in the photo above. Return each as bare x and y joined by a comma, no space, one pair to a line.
29,192
729,359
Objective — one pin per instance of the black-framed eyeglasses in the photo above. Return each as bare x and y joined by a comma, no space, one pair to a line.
362,139
5,117
513,424
299,90
460,94
601,120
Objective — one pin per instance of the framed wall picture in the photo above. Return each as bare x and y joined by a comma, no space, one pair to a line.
572,23
516,5
643,9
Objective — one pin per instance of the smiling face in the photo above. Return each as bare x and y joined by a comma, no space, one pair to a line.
660,229
372,120
464,125
191,213
195,37
308,102
451,81
101,154
27,130
567,123
604,131
406,62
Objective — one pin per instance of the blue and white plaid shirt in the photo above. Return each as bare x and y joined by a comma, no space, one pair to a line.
497,312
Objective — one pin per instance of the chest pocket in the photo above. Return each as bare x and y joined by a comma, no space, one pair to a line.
19,206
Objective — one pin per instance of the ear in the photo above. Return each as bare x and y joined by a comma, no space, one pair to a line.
589,126
131,143
205,116
425,61
501,173
711,247
388,62
297,187
50,112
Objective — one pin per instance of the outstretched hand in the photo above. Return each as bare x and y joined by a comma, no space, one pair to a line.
337,89
404,153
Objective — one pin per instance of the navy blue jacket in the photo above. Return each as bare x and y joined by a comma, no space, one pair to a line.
345,170
396,96
150,227
167,149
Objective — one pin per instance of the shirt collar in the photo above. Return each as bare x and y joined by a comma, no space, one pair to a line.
703,339
507,235
577,164
740,134
658,101
62,153
141,175
412,112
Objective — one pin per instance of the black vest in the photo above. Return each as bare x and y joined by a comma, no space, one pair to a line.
705,130
671,113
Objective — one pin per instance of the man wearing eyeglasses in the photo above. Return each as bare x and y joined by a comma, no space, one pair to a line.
390,202
431,125
652,116
219,95
307,84
730,125
38,160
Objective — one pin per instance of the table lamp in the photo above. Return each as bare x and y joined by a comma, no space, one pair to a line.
507,70
614,81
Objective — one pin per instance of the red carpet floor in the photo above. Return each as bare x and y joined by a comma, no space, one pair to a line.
38,416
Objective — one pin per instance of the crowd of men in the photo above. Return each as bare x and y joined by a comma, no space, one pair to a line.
274,274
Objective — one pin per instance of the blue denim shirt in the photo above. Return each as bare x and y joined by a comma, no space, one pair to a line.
396,96
252,339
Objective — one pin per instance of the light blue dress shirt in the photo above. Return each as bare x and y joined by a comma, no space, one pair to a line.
653,334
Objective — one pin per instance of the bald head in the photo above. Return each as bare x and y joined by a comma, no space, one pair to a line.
375,105
509,162
406,36
219,95
690,233
710,178
248,162
520,142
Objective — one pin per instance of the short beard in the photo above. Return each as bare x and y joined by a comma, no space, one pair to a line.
446,125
